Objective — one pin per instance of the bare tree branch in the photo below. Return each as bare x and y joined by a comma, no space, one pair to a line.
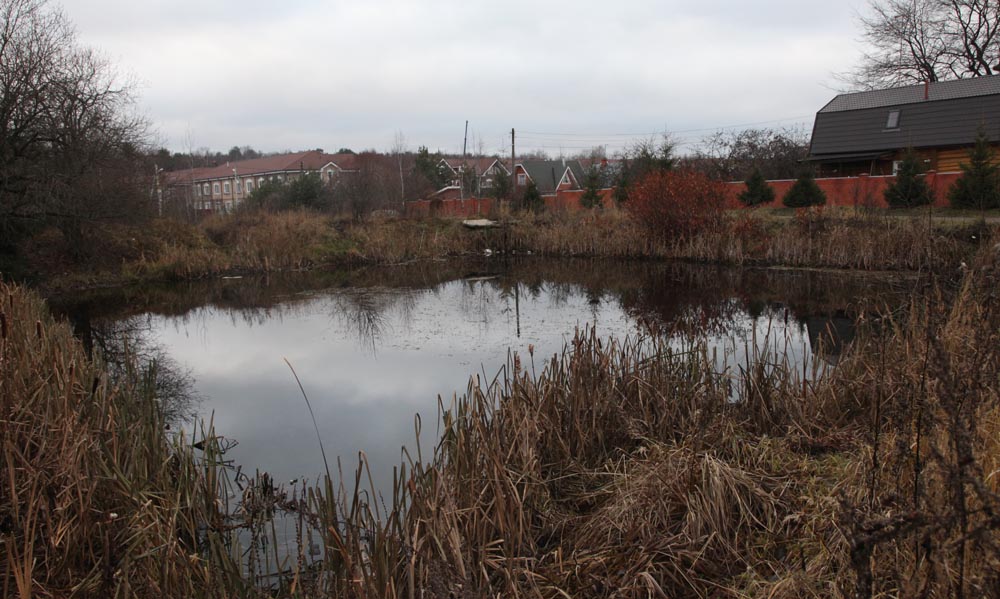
911,41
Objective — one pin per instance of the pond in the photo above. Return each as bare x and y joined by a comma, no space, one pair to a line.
374,347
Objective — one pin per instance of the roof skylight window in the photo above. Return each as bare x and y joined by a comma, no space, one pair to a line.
893,121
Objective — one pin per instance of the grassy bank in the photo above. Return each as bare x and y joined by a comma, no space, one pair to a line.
619,469
96,501
258,242
815,239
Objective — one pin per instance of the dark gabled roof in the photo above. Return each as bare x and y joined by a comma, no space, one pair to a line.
579,171
547,174
478,164
914,94
498,162
950,117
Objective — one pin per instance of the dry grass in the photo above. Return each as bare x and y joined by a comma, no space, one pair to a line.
395,241
267,242
96,501
814,239
616,469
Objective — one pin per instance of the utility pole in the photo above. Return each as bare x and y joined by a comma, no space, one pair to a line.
513,169
465,141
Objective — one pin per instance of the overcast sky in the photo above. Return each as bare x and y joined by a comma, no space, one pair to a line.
567,75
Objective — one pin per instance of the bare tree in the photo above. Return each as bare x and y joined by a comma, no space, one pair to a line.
399,151
373,187
71,149
911,41
734,155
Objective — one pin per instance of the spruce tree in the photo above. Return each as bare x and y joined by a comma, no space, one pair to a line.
979,185
758,191
501,185
592,189
532,199
621,186
909,189
804,192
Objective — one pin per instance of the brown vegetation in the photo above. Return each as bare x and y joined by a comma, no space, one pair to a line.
261,241
814,238
619,469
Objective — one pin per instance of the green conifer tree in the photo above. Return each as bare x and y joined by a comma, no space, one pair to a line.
532,199
804,192
758,191
909,189
592,189
979,185
501,185
621,186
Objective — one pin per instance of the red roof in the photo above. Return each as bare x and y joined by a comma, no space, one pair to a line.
313,160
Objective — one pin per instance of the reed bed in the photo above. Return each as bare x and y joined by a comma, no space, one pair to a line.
265,242
812,239
618,468
398,241
96,501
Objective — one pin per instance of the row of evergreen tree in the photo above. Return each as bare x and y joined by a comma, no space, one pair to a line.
978,187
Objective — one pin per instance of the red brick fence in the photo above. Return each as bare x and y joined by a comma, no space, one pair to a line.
863,191
565,200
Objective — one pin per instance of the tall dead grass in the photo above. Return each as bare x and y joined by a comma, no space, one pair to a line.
96,501
813,239
629,468
261,241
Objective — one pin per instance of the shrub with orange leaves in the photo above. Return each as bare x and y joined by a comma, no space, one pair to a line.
677,204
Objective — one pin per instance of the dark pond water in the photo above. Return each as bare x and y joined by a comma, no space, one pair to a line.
374,347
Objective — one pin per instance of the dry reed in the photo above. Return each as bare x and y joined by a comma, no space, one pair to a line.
616,469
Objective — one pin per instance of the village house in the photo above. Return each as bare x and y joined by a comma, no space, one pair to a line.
866,133
222,188
550,176
485,170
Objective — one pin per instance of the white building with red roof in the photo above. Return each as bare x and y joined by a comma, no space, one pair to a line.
223,187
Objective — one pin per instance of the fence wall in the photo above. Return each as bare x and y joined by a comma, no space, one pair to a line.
565,200
863,191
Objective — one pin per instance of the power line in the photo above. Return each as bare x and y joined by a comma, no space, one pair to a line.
662,131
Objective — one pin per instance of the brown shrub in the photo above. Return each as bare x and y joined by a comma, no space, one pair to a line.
677,204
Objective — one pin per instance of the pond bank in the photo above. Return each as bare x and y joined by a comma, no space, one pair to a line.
249,243
379,344
619,468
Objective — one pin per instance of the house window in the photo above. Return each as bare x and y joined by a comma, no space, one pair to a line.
216,190
204,190
892,122
225,188
329,175
487,183
522,179
260,181
249,185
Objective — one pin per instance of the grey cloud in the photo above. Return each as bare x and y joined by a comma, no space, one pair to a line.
325,74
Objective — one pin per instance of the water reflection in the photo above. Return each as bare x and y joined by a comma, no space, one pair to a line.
127,343
373,347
